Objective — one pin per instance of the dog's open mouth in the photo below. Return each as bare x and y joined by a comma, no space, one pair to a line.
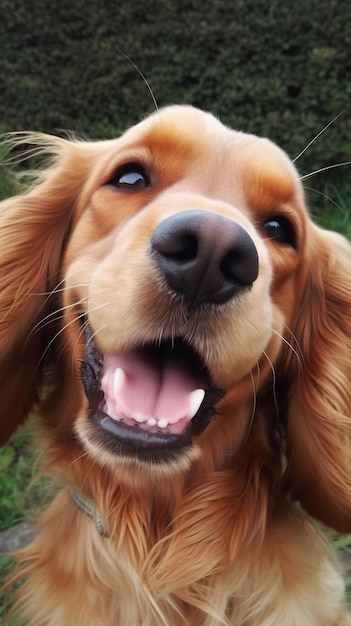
154,397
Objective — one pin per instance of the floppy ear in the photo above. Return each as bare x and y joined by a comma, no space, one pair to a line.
318,415
33,228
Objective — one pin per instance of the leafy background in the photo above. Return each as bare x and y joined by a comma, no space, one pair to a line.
278,69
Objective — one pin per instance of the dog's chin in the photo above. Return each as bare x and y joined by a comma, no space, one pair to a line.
146,405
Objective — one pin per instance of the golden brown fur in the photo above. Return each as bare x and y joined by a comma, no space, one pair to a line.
214,536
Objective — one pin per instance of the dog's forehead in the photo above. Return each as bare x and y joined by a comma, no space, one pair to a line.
199,137
181,115
181,124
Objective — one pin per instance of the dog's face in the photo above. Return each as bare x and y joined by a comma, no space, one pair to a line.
169,310
180,267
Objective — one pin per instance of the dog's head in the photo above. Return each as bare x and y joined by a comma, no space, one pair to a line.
188,304
170,270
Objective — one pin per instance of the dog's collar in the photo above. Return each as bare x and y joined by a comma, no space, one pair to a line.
88,507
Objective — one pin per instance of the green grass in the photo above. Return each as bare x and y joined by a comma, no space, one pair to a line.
21,496
331,208
6,565
17,468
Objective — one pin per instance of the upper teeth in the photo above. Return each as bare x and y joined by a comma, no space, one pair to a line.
195,400
119,378
196,397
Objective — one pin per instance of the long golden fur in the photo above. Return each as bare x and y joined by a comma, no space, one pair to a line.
215,532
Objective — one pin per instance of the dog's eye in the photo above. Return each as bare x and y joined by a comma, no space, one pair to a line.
280,230
130,177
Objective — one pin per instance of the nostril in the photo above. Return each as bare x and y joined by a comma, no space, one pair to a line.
181,248
240,264
228,265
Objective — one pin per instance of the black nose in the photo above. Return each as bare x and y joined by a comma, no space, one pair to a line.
204,256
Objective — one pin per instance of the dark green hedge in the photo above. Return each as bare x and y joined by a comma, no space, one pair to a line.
280,69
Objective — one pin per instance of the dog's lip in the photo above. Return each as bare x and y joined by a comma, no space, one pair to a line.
136,438
132,433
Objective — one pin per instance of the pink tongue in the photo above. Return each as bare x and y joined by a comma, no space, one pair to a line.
150,389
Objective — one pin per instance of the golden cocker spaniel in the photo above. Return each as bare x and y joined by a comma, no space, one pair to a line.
182,330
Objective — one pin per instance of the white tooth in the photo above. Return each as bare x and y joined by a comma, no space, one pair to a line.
151,421
119,378
162,423
109,410
138,417
195,399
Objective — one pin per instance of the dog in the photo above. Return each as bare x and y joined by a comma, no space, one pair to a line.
182,331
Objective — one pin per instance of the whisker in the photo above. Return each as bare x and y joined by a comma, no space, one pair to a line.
81,331
317,136
78,338
324,195
86,324
287,343
324,169
254,401
55,290
97,332
274,381
91,338
141,75
58,289
73,321
47,319
78,458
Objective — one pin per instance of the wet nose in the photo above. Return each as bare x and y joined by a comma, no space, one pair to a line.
204,256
